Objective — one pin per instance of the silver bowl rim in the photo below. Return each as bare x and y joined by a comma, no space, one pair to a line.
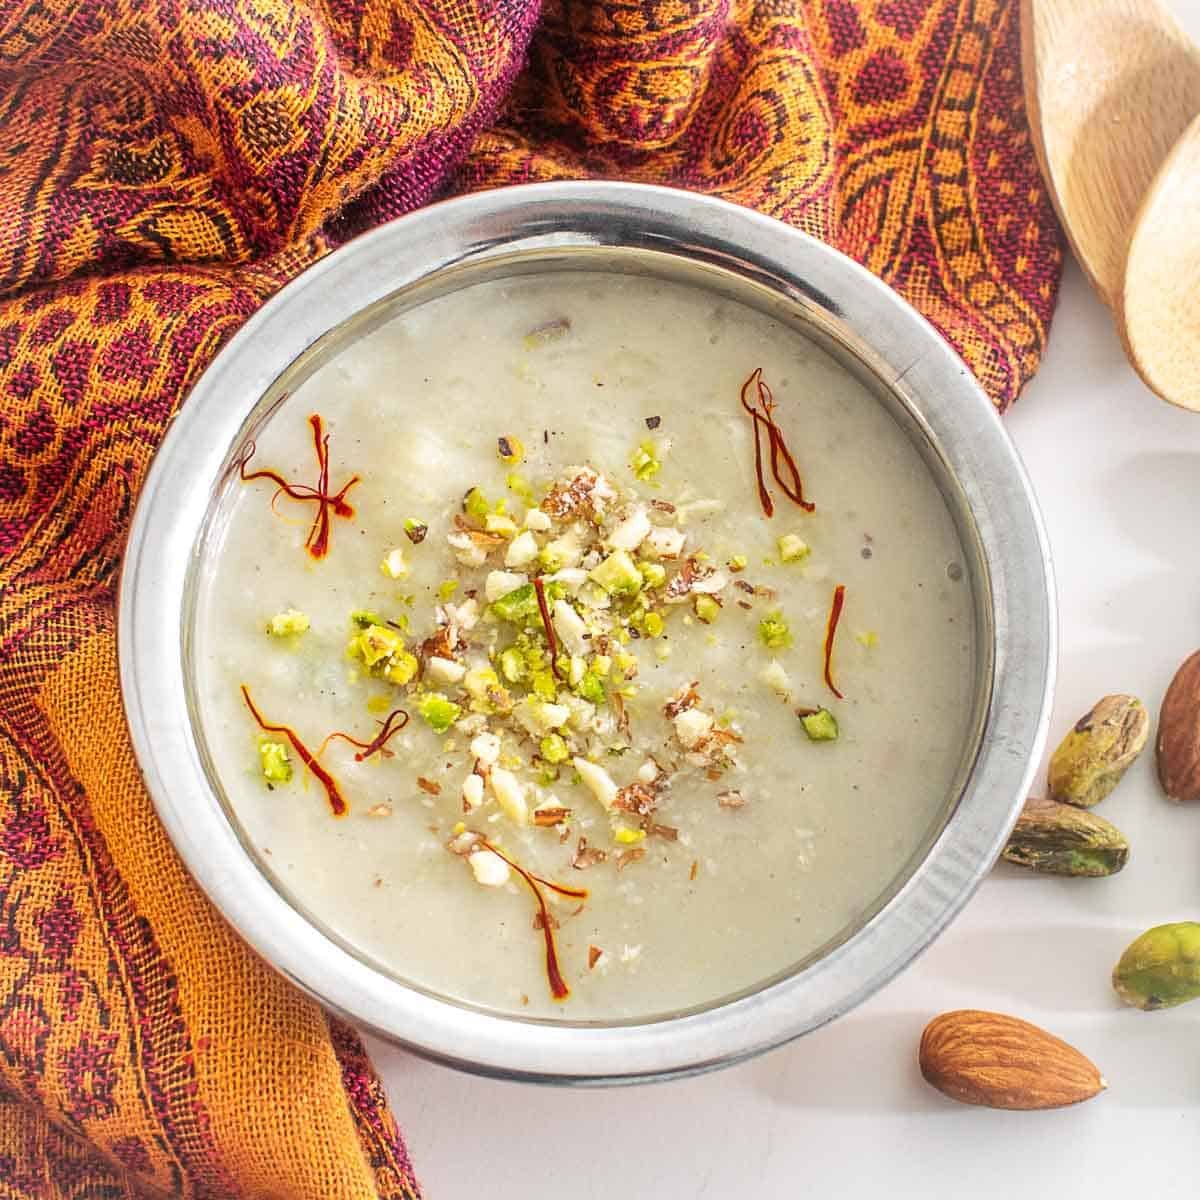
911,359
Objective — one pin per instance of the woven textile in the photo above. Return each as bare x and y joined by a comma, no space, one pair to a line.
164,166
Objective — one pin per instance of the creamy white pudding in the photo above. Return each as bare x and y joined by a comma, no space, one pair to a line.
570,456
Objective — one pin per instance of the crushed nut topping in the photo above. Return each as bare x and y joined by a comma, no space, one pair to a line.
587,856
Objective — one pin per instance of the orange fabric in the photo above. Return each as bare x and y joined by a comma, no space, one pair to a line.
164,166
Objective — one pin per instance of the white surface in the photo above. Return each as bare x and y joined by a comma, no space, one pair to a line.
844,1112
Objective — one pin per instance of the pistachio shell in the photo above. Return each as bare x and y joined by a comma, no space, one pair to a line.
1060,839
1091,759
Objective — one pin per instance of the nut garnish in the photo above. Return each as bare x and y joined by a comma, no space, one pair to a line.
587,856
1178,748
1161,968
1091,759
1002,1062
1060,839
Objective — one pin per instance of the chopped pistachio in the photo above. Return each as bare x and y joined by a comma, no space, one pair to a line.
393,565
415,530
376,643
499,523
629,837
447,588
512,665
654,575
626,663
518,605
644,461
543,685
773,631
438,712
792,548
554,748
364,618
510,449
708,608
601,664
617,574
275,760
738,562
475,505
821,726
482,684
591,689
288,623
653,623
402,668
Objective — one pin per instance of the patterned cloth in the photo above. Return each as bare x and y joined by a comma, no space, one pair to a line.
164,166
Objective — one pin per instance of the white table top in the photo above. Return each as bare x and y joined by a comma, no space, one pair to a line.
844,1111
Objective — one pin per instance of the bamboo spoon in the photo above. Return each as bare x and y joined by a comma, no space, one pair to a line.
1110,86
1159,314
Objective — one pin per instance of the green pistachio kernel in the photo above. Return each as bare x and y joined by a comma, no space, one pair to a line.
554,748
821,726
708,608
542,684
475,505
653,625
520,487
512,665
773,631
275,761
364,618
591,688
654,574
617,574
521,604
415,530
792,548
375,643
447,588
644,461
738,562
288,623
402,668
438,712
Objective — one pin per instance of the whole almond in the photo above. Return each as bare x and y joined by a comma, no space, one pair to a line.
1002,1062
1178,748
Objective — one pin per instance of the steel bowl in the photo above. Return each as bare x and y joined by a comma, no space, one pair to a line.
680,236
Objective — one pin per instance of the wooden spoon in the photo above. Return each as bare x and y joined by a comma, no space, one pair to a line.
1159,316
1110,86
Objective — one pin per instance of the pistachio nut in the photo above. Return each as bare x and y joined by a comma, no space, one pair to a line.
1104,743
1161,968
1060,839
